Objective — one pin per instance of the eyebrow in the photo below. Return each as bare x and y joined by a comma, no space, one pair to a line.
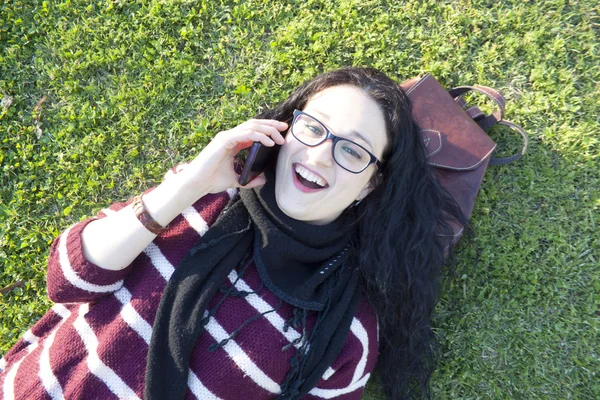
351,133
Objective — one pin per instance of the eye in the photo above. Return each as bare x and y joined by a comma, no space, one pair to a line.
352,152
314,128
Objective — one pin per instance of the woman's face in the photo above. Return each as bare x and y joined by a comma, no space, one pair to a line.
343,110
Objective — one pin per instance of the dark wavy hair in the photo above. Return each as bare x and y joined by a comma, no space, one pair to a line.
397,245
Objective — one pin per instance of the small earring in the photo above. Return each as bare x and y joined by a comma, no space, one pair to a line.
357,202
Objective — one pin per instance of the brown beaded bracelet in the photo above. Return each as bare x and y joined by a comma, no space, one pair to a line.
142,215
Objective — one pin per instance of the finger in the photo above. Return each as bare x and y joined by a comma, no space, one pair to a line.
279,125
258,136
242,145
259,180
268,130
245,138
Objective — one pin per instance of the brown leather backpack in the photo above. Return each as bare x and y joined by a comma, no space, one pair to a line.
458,147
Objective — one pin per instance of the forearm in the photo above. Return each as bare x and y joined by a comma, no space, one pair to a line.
115,241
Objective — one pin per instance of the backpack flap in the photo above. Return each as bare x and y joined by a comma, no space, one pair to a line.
457,148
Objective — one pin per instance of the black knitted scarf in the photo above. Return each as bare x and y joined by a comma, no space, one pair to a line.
302,264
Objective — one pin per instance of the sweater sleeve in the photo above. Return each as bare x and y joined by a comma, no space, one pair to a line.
348,375
71,278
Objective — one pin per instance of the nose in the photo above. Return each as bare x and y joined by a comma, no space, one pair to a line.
321,154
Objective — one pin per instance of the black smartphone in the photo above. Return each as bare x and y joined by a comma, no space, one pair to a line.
254,161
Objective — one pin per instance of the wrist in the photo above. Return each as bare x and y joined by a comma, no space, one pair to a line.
168,200
144,217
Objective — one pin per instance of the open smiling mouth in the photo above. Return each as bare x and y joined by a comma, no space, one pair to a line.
307,179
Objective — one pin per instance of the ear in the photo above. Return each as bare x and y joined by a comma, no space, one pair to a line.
373,183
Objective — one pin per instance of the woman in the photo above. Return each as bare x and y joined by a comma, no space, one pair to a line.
295,286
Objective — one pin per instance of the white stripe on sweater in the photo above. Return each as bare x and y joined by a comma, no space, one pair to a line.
61,310
49,381
240,357
9,381
332,393
359,331
329,373
72,276
198,389
96,366
195,220
2,364
160,262
30,337
131,316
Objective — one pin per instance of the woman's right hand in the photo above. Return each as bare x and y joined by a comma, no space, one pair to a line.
212,171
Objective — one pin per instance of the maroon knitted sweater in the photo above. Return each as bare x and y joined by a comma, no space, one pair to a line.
93,343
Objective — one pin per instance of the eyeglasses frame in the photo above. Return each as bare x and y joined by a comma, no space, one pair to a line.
335,139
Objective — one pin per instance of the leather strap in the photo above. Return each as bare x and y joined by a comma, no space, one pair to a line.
514,157
484,121
142,215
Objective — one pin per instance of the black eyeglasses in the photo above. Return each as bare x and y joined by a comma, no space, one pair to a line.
347,154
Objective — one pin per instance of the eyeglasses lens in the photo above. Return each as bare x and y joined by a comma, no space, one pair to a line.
346,153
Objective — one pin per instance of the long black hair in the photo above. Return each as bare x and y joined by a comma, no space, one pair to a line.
397,245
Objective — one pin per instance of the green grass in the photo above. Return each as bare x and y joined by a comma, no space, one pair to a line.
132,89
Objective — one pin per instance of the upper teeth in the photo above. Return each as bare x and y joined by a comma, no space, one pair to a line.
306,174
